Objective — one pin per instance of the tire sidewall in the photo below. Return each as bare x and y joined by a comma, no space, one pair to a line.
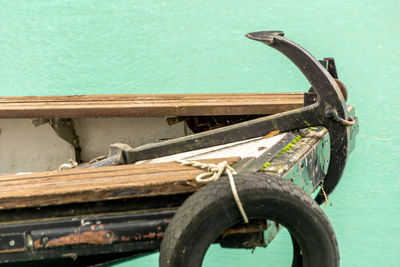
301,216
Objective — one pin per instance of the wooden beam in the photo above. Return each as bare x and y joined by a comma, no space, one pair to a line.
99,184
151,105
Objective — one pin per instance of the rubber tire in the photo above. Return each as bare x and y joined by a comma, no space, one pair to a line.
212,209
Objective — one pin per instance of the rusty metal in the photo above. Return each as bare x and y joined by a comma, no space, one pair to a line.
253,226
330,66
342,88
101,237
250,235
129,232
332,113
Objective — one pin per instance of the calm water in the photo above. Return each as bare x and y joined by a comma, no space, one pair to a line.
111,47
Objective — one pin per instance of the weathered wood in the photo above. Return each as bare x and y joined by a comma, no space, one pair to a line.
86,185
148,105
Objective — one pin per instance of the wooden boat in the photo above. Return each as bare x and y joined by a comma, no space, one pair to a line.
137,198
89,123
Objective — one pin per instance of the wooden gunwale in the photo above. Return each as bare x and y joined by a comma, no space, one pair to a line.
150,105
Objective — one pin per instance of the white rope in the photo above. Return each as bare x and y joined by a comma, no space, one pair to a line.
66,166
214,173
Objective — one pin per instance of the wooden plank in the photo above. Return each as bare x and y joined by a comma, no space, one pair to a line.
148,105
140,97
87,185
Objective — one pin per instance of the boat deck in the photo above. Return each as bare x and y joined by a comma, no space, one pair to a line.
156,177
99,184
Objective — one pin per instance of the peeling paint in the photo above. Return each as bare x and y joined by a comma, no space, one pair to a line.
93,238
12,250
153,235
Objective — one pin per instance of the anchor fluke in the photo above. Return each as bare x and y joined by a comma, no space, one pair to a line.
266,37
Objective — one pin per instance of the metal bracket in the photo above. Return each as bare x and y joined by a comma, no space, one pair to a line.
117,155
64,128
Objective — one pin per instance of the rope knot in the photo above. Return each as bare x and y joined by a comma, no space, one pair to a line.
214,170
214,173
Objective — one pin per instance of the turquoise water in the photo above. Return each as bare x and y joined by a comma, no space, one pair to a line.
109,47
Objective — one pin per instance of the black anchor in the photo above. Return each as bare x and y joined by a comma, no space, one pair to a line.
329,110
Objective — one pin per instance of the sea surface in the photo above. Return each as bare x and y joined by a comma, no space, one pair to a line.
65,47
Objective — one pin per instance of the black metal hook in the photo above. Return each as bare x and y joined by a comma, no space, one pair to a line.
329,97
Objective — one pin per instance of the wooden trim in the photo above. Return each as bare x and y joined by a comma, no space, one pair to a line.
152,105
99,184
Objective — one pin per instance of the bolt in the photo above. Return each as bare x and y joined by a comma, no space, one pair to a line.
45,240
12,243
108,235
